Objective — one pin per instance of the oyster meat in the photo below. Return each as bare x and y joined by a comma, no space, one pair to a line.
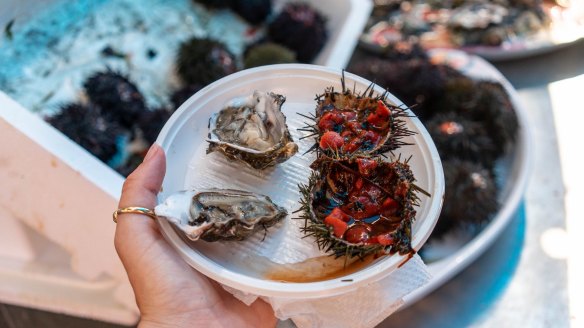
253,130
220,214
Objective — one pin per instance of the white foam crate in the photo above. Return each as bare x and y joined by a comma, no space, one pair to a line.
56,200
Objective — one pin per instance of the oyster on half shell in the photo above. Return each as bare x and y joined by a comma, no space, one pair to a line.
220,214
252,129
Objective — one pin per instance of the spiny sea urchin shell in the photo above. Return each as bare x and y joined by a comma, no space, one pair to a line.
151,122
87,127
253,11
130,164
417,83
470,198
349,124
183,94
359,207
485,102
203,61
300,28
404,50
496,110
268,54
457,137
117,96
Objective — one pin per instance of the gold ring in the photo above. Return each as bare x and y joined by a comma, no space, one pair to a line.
134,210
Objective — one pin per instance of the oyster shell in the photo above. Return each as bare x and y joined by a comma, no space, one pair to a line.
220,214
253,130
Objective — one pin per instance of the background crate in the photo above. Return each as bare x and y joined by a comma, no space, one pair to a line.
56,234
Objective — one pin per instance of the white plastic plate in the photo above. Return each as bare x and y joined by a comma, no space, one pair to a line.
189,167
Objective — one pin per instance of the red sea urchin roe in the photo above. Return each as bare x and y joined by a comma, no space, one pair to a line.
384,239
331,139
359,233
380,118
354,127
362,202
336,220
330,121
353,145
366,166
349,115
389,207
361,129
338,214
359,183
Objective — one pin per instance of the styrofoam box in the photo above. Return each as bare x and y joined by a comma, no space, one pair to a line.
56,233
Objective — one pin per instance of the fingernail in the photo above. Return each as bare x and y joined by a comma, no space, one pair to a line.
153,150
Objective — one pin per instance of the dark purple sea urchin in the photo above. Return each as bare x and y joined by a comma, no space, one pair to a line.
118,98
470,198
253,11
183,94
417,83
457,137
87,127
203,61
485,102
151,122
300,28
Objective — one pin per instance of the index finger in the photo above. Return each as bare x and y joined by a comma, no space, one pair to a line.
140,190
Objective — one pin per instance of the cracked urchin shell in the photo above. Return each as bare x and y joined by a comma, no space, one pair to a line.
372,197
203,61
404,50
350,124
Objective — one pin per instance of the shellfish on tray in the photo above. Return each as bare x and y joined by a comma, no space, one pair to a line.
220,214
253,130
349,124
360,206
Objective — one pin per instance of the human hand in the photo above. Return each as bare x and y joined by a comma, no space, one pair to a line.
169,293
